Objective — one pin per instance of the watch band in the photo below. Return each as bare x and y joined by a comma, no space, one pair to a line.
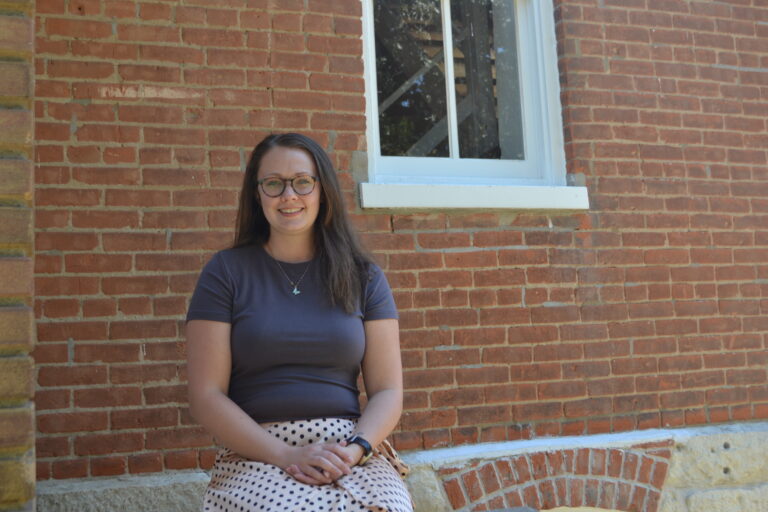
365,445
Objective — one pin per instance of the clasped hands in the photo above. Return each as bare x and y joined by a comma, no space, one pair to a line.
322,463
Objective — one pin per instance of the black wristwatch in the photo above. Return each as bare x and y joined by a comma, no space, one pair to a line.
365,445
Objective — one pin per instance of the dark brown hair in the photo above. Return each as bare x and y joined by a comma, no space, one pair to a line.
343,262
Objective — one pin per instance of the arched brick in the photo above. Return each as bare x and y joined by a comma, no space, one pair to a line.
624,479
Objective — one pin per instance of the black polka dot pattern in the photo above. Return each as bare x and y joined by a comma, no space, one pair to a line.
239,484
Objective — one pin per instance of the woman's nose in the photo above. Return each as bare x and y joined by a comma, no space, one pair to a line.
288,191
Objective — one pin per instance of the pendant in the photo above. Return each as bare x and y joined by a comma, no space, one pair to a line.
295,291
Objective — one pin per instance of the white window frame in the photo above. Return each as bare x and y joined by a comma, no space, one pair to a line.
537,182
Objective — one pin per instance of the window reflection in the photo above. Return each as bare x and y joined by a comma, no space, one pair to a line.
411,77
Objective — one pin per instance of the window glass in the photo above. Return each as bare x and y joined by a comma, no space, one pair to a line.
466,104
410,78
486,78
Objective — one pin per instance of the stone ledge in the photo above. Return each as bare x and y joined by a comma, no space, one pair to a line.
752,498
169,492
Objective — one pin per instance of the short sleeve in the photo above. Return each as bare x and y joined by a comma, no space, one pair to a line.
212,299
379,302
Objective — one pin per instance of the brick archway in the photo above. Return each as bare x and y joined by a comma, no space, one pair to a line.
626,479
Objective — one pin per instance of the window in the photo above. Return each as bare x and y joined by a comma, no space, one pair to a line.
463,106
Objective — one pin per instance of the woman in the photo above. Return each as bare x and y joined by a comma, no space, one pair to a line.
278,329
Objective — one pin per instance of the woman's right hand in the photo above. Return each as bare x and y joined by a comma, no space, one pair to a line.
317,464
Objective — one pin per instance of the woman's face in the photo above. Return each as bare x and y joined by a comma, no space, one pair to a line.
290,213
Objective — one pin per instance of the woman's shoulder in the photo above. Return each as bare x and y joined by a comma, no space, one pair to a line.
239,254
374,278
234,259
378,301
371,270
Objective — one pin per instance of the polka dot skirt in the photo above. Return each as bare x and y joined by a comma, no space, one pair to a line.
239,484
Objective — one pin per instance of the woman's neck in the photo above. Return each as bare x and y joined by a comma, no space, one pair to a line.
289,249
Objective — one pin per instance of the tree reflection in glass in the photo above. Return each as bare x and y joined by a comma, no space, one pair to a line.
410,75
411,69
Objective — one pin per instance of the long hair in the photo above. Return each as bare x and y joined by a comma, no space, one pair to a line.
343,262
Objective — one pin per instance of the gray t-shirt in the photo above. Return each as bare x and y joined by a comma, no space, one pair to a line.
293,356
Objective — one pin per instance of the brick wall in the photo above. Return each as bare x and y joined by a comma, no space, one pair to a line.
17,474
649,310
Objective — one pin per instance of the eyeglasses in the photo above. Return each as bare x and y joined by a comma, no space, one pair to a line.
274,186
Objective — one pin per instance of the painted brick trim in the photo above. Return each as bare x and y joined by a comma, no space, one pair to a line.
628,479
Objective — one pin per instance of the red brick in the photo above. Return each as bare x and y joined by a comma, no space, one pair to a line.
142,329
488,414
177,437
576,489
72,468
113,397
645,470
85,29
206,459
103,444
145,463
488,478
119,241
72,422
560,352
186,459
455,493
90,263
566,389
134,373
513,498
538,465
531,497
61,308
548,494
149,418
108,466
107,133
106,353
523,257
155,12
67,197
152,33
72,375
59,331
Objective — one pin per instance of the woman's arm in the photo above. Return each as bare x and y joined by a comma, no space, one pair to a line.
383,377
208,369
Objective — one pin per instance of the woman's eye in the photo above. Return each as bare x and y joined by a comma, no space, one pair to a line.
273,185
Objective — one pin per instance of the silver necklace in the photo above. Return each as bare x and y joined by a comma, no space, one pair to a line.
295,290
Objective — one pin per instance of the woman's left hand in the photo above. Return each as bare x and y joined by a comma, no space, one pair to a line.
354,452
